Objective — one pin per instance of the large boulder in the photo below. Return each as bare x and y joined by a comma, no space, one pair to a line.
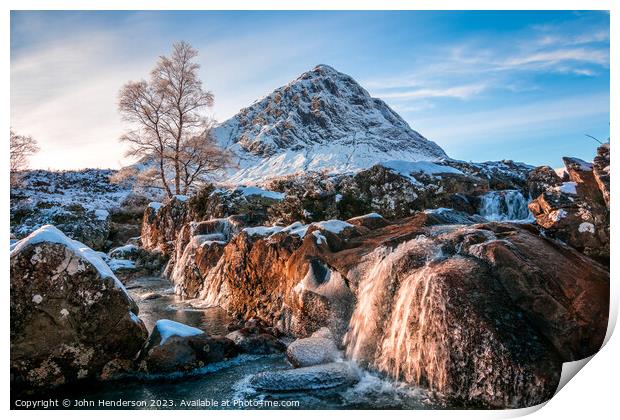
486,313
71,318
173,347
273,273
541,179
250,201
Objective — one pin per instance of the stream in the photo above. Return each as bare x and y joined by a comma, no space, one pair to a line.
225,385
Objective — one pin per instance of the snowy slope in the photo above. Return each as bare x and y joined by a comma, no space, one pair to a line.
323,120
89,187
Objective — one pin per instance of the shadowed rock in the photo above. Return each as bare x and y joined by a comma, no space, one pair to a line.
71,318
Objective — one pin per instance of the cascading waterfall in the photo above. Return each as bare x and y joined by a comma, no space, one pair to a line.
414,348
505,205
398,324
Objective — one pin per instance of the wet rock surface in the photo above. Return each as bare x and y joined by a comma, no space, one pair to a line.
330,375
256,340
512,302
312,351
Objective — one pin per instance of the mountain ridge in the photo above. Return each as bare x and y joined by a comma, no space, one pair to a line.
321,121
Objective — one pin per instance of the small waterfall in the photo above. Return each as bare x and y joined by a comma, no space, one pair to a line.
415,347
398,323
505,205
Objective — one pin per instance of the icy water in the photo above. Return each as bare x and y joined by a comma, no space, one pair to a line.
224,385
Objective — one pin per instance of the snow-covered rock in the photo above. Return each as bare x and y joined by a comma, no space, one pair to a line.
576,211
70,316
173,346
323,120
307,378
312,351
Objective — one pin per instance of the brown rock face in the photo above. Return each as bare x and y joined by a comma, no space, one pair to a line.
198,248
542,179
577,211
601,171
70,317
162,223
485,312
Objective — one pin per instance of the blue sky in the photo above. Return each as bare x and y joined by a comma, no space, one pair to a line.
525,86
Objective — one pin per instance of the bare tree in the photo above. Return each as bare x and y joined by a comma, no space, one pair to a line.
22,147
199,156
166,112
140,103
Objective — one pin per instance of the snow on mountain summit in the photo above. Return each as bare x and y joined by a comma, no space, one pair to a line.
323,120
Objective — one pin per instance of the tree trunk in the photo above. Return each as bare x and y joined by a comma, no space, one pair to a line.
162,173
177,172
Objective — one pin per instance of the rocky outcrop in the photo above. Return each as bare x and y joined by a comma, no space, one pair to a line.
602,171
71,318
162,222
541,179
577,211
129,261
87,226
496,305
273,273
198,248
250,202
393,189
175,347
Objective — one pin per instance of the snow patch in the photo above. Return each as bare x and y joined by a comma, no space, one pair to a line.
168,328
101,214
427,168
51,234
568,188
586,227
119,264
155,206
367,216
334,226
320,239
255,191
125,249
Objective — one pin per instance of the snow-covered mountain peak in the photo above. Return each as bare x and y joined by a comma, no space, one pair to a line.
323,120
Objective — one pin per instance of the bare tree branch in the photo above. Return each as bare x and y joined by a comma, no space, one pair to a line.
168,124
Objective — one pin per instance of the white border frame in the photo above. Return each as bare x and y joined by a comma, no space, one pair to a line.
594,394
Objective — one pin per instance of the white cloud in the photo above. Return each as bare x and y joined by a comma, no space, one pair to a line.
548,58
460,92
